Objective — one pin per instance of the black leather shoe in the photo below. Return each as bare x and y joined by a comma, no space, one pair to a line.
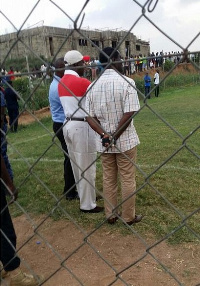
70,198
137,219
112,220
95,210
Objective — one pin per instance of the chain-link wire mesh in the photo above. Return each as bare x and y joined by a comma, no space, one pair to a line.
94,240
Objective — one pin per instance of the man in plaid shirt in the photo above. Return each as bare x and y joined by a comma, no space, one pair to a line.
110,103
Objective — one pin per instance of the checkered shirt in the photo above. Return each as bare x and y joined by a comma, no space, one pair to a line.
108,99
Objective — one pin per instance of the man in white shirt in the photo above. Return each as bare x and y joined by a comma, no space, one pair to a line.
156,83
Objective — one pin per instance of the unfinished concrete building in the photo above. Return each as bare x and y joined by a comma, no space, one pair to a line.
51,42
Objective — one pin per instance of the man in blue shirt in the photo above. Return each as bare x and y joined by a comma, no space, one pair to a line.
58,118
147,85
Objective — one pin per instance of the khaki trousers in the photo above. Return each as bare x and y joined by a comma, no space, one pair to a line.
122,164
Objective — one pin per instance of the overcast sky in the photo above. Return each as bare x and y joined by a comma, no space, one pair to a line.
179,19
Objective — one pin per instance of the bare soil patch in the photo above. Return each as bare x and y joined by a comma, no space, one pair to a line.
26,118
96,261
183,69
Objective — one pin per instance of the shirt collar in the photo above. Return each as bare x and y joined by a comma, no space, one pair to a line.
109,71
71,72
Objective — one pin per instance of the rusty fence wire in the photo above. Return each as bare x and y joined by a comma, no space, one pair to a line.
148,250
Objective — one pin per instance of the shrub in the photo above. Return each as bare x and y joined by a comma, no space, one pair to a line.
140,86
21,85
181,80
168,65
35,101
41,98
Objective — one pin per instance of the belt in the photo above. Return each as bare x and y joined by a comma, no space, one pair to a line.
76,118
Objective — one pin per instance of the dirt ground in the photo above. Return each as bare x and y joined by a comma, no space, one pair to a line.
95,262
26,118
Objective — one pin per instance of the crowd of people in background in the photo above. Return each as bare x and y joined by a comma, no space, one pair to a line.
131,64
140,63
134,64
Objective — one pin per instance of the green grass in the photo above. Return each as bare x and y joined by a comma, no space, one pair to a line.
167,173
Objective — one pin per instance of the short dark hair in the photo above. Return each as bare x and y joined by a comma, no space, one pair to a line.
59,63
108,51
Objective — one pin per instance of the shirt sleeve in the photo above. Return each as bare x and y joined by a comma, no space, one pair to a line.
89,108
131,102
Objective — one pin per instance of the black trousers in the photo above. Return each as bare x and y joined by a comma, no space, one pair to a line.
68,173
8,237
13,113
156,90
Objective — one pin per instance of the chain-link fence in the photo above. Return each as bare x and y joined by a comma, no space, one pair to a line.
82,249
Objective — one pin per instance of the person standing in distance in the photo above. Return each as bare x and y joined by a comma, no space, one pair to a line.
156,83
58,117
12,98
147,85
80,138
11,74
111,103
